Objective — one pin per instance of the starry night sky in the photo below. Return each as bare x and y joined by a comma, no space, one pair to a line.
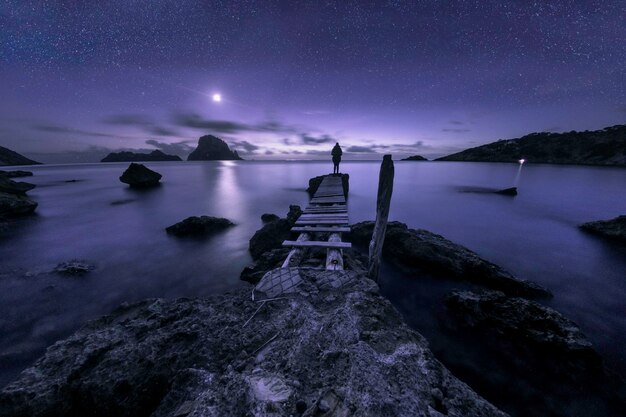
79,79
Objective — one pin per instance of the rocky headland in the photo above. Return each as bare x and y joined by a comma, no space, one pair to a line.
127,156
419,250
599,147
212,148
614,229
415,158
9,157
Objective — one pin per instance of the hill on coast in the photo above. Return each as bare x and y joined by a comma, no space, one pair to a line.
599,147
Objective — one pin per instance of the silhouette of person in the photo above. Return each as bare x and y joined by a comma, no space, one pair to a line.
336,153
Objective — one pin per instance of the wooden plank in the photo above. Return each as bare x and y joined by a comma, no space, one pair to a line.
321,229
326,200
317,244
322,218
334,257
310,222
344,214
296,251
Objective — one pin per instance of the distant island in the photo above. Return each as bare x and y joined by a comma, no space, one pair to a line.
599,147
212,148
127,156
9,157
415,158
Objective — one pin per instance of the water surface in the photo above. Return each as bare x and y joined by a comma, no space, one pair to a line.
99,219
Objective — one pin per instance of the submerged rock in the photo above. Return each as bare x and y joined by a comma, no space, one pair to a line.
12,187
199,225
512,191
12,205
139,176
614,229
272,234
74,267
338,352
315,182
421,250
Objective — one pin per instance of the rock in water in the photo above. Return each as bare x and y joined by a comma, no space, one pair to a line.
15,174
512,191
138,176
421,250
12,205
9,157
211,148
74,268
11,187
269,217
272,235
198,226
127,156
349,355
614,229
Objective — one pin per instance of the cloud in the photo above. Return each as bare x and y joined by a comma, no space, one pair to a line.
456,122
361,149
243,146
268,152
71,131
176,148
195,121
141,121
456,130
315,152
307,139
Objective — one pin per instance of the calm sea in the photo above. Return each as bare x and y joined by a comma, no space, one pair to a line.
121,231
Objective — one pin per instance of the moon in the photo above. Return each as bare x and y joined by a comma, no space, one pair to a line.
216,97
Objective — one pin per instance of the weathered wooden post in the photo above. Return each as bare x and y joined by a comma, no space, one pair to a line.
385,188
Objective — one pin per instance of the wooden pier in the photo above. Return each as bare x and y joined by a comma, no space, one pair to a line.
326,215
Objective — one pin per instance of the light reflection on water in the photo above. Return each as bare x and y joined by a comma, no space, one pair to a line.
534,235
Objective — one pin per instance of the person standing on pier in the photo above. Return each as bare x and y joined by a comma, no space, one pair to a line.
336,153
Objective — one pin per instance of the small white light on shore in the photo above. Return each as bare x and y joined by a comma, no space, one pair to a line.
521,161
217,97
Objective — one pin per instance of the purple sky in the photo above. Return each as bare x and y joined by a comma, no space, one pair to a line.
428,77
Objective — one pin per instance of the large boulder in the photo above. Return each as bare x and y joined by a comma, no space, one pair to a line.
212,148
421,250
139,176
614,229
321,352
199,226
263,263
315,182
12,205
272,234
12,187
555,369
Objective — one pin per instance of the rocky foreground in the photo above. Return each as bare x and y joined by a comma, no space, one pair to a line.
320,352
